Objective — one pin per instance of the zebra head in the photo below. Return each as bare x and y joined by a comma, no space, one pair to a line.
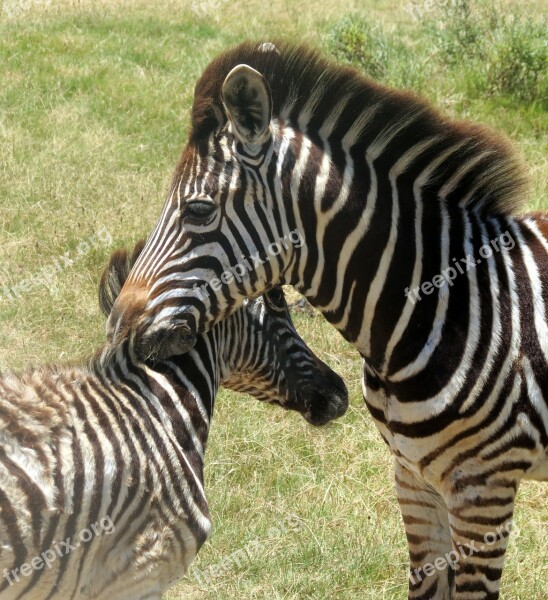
228,229
259,349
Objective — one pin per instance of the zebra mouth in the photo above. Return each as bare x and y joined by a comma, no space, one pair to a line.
325,404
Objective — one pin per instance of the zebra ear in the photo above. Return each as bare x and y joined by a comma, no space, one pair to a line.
115,275
248,103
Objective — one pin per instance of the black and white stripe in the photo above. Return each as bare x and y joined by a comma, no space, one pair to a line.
101,466
388,194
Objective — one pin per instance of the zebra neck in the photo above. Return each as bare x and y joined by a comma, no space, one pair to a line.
178,392
234,344
368,244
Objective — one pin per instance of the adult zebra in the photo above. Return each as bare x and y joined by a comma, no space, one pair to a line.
408,245
101,467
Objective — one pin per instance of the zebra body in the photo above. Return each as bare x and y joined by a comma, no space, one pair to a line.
101,467
388,195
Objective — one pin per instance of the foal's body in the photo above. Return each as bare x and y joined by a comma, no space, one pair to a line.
101,467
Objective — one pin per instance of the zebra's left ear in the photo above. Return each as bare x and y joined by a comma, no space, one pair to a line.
248,103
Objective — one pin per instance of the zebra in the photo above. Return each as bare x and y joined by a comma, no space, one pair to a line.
101,466
410,244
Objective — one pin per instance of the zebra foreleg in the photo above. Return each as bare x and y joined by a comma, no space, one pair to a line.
427,528
480,529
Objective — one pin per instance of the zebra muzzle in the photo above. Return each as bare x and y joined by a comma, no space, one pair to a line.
163,345
325,402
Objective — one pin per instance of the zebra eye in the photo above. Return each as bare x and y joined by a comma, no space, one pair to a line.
199,209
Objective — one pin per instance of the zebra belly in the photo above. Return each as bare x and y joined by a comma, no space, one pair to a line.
446,456
149,562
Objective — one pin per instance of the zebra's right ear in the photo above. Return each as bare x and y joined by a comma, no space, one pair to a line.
115,274
248,103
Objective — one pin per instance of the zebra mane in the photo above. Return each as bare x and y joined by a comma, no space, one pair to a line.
306,88
115,275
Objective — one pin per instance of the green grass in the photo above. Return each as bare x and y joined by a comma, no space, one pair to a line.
93,113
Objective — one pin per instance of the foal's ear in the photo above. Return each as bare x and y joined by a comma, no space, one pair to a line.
248,103
115,275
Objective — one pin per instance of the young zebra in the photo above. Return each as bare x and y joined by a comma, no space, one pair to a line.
398,224
101,467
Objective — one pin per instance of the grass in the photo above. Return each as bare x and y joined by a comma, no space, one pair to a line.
93,112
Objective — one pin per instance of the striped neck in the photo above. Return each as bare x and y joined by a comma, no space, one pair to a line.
180,391
377,227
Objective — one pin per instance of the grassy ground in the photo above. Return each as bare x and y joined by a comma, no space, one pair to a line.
93,102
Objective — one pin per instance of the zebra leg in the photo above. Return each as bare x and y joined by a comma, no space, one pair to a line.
427,528
480,529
